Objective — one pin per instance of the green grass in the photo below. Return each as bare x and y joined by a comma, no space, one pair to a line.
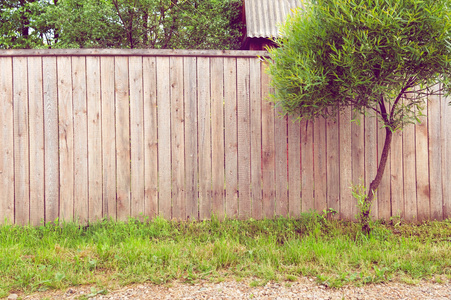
159,251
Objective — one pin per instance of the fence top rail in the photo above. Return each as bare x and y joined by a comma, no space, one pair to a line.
131,52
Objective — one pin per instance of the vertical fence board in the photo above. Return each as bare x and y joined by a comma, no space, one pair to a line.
410,197
371,157
121,79
231,142
435,157
66,138
281,168
164,137
446,156
81,207
177,134
36,122
396,175
422,169
347,204
383,192
51,139
358,155
136,136
21,135
217,135
191,174
108,122
256,137
204,136
243,78
307,173
294,168
333,165
320,167
6,142
94,139
150,137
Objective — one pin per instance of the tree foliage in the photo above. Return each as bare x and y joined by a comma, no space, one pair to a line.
378,56
186,24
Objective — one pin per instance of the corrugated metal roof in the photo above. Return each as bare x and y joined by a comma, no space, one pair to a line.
263,16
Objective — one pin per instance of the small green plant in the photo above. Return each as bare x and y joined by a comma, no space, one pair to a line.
359,192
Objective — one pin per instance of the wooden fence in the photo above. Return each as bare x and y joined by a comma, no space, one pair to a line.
87,134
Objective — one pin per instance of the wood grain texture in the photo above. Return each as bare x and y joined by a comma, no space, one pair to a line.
294,168
6,142
36,123
231,141
307,174
177,135
446,155
95,168
422,168
347,203
244,137
150,137
81,207
333,165
191,172
383,192
281,168
256,137
217,136
204,136
122,95
66,138
136,137
108,121
268,148
164,137
371,158
358,154
435,156
409,168
320,167
21,146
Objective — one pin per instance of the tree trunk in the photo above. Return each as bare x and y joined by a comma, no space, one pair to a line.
377,180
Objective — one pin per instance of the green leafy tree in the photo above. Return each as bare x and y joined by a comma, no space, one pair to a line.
382,57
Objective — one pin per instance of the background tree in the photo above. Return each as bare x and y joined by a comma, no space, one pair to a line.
380,57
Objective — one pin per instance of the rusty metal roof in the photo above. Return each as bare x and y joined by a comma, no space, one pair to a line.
263,16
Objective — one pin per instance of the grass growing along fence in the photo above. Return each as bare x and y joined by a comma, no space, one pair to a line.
334,252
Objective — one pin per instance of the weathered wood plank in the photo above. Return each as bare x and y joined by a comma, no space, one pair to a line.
435,156
6,142
164,137
396,175
256,137
36,122
281,168
383,192
51,139
409,168
358,155
108,137
66,138
177,135
347,203
136,136
21,135
191,174
307,174
150,137
81,208
320,167
371,157
204,136
217,135
121,79
95,188
231,142
268,148
333,165
244,145
422,169
446,155
294,168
